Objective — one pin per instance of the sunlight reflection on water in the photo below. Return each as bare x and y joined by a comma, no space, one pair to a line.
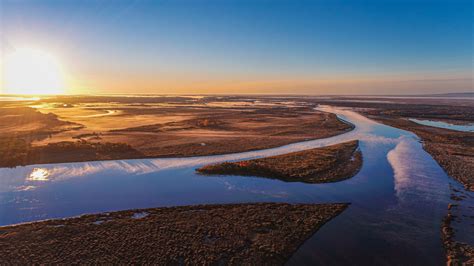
38,174
398,198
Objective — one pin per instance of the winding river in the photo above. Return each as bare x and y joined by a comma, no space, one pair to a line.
398,199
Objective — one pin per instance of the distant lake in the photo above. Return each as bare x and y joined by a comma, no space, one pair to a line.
440,124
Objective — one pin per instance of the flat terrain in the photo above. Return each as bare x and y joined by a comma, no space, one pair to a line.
66,129
102,128
257,234
20,126
320,165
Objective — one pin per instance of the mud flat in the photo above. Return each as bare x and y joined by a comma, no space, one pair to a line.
104,128
319,165
261,233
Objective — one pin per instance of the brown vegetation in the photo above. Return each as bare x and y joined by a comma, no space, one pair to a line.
80,151
19,126
229,131
19,152
320,165
257,234
140,127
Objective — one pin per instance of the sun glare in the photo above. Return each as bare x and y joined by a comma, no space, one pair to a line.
30,71
39,174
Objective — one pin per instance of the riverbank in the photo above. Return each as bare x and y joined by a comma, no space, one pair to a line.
454,151
259,233
457,253
320,165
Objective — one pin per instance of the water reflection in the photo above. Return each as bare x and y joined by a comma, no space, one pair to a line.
440,124
398,198
25,188
60,172
413,171
38,174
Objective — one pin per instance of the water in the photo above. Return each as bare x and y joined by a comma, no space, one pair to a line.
398,199
440,124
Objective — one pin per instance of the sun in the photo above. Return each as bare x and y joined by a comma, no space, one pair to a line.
32,71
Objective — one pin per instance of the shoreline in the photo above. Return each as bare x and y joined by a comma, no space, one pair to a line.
457,253
431,138
318,165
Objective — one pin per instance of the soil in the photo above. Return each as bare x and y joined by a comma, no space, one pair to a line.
321,165
250,234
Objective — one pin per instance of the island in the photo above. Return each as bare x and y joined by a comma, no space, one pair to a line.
320,165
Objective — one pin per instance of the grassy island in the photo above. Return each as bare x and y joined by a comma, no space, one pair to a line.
319,165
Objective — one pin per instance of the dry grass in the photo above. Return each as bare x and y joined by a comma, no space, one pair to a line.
86,129
320,165
250,234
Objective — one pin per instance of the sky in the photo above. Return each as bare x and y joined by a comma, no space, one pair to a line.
226,46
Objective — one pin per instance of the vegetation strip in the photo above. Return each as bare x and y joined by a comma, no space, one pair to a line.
319,165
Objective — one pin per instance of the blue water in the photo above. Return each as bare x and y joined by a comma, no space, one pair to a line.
440,124
398,199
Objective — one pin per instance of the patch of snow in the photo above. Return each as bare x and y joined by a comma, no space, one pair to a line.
140,215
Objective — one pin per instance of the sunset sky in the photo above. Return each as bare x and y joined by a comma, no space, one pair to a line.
224,46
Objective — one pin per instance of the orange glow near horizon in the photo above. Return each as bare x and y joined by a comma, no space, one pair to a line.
185,84
35,72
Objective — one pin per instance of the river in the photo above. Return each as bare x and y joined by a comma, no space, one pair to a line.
398,199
